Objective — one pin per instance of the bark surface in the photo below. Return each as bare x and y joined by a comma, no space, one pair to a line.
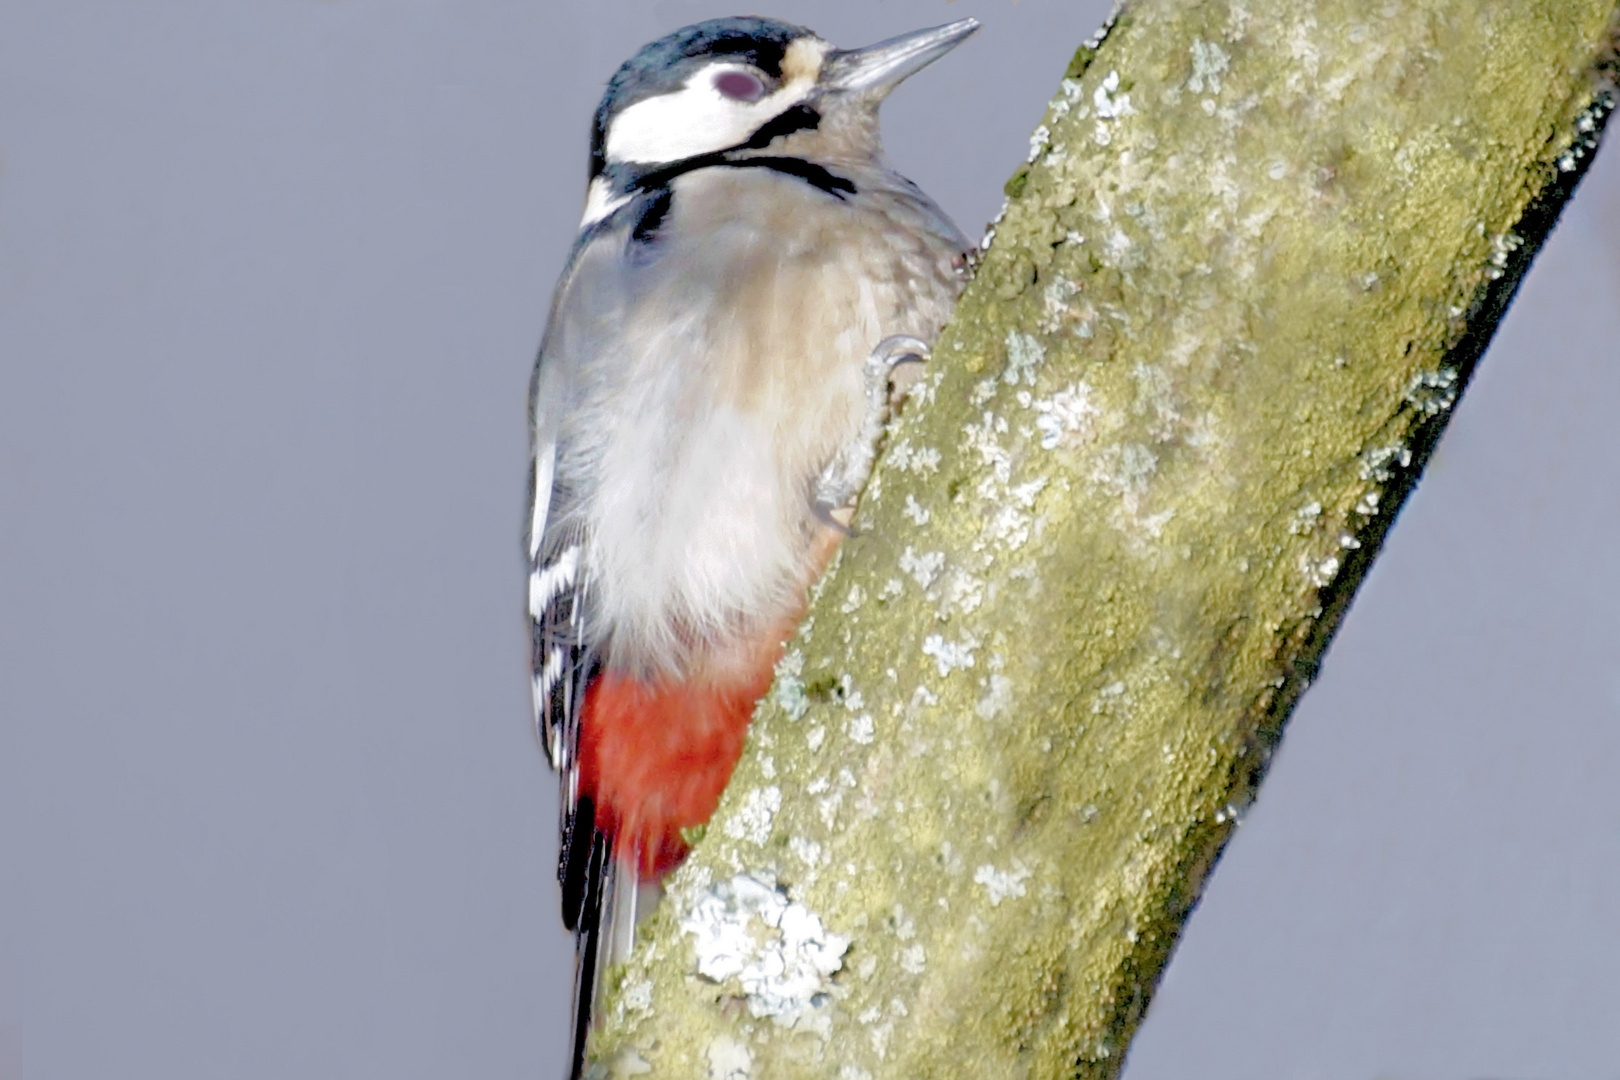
1236,292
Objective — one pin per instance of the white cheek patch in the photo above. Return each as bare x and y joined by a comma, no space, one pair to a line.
696,119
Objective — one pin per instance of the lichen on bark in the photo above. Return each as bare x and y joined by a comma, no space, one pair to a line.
1238,287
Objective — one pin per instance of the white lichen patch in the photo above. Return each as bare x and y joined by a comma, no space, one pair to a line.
1209,64
1070,93
1118,244
1025,354
1587,127
919,460
1433,392
728,1059
828,807
777,951
1124,471
860,729
856,597
1305,518
922,697
1009,523
922,391
999,885
1378,464
788,689
1066,419
636,997
998,696
1303,49
1319,572
1502,246
964,592
807,851
989,236
752,821
1055,301
1107,102
1008,527
1111,699
1039,139
950,656
913,959
981,438
1024,494
923,568
914,510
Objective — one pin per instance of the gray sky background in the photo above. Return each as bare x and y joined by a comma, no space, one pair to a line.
271,279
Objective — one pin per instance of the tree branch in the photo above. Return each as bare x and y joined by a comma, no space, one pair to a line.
1232,301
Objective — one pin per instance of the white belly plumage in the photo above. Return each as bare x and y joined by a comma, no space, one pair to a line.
695,540
737,375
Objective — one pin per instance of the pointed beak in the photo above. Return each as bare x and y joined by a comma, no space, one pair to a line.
880,68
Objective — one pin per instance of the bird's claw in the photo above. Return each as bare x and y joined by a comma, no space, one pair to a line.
891,370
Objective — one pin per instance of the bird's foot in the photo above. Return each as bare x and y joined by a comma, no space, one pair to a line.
891,370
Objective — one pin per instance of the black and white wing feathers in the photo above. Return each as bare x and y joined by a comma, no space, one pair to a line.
562,660
597,905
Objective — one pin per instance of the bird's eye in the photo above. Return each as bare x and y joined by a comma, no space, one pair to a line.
739,86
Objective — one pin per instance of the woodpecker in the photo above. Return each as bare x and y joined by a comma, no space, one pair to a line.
711,385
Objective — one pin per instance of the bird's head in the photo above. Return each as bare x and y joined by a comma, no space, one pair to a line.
746,85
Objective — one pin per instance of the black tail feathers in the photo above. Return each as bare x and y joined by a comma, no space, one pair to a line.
589,946
579,838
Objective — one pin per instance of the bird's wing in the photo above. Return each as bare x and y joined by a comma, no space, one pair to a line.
558,599
562,666
562,654
598,896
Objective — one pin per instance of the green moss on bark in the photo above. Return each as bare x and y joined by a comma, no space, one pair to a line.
1230,305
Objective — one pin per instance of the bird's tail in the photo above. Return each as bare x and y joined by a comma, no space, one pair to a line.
600,899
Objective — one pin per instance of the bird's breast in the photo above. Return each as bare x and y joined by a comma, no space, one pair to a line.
752,307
